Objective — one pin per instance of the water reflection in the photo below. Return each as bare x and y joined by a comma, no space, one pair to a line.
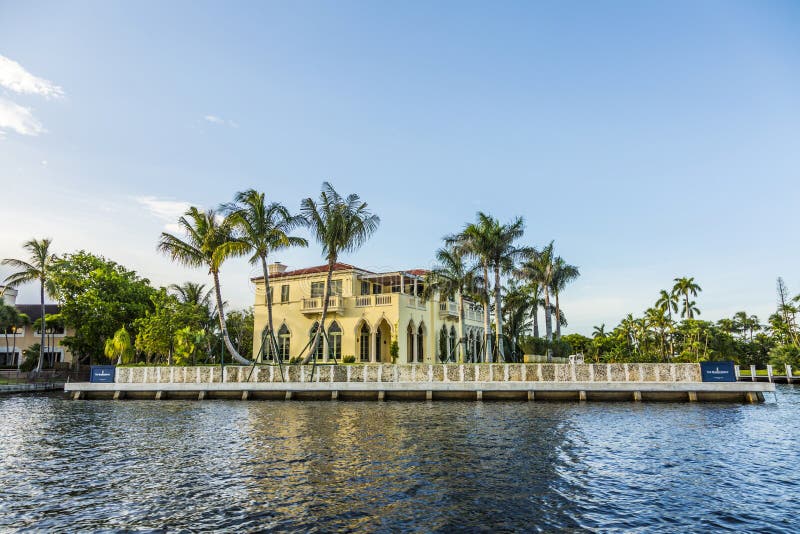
395,466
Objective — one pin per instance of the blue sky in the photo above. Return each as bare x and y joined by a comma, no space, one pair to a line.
650,140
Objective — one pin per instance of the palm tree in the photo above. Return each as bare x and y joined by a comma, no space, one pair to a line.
535,292
658,319
668,301
538,268
37,268
563,274
599,332
452,277
686,286
264,228
192,293
209,242
690,309
119,347
339,225
517,309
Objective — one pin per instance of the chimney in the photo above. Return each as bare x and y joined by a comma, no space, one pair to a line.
276,268
9,295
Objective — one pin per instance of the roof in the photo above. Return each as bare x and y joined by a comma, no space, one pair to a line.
312,270
34,311
418,272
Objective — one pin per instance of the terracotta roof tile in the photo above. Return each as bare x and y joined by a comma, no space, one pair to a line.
312,270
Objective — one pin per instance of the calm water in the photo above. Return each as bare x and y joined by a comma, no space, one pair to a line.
218,465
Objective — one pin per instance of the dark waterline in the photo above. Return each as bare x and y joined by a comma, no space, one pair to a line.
218,465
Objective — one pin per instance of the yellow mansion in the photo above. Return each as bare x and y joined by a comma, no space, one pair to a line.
366,312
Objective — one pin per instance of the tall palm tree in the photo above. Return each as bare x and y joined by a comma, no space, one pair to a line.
452,277
538,268
690,309
192,293
37,268
668,301
492,243
563,275
686,286
339,224
264,228
209,241
535,292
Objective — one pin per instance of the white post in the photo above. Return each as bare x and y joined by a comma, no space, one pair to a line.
415,347
753,373
736,371
415,287
372,339
402,283
769,373
789,377
325,348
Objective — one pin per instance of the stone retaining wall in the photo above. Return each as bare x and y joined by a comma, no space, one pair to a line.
512,372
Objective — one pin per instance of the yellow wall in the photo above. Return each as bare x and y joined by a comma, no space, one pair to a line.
392,313
28,336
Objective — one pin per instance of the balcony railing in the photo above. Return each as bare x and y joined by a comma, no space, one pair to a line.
448,309
314,305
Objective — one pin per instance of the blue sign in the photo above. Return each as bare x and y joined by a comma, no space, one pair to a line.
102,374
717,371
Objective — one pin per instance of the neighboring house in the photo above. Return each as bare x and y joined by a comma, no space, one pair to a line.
366,312
26,336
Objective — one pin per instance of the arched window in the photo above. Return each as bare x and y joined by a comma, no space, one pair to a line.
363,346
421,343
451,347
443,344
283,342
335,341
320,352
410,343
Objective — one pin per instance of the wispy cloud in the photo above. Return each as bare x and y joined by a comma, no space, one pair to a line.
165,210
14,78
18,118
214,119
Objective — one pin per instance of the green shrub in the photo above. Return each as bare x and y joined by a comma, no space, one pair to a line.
785,354
31,358
349,359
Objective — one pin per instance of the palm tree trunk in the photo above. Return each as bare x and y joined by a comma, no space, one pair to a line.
326,295
41,343
558,317
498,316
535,318
548,322
461,338
487,339
272,343
224,327
14,350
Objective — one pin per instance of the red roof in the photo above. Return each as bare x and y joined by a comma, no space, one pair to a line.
418,272
312,270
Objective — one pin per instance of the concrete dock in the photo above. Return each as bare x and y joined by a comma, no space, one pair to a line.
529,382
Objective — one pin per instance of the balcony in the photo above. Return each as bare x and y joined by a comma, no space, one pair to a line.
314,305
366,301
448,309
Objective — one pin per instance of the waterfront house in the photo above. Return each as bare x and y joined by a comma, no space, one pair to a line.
22,337
367,312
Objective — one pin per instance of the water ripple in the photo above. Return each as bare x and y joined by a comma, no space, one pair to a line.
418,467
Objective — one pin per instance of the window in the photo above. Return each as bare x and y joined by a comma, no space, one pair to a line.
285,293
318,289
283,342
365,288
335,341
377,289
319,354
363,348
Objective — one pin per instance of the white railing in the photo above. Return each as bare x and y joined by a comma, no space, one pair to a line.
315,304
363,301
383,300
448,308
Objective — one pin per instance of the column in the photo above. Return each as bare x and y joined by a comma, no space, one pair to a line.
414,347
325,348
372,340
402,283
